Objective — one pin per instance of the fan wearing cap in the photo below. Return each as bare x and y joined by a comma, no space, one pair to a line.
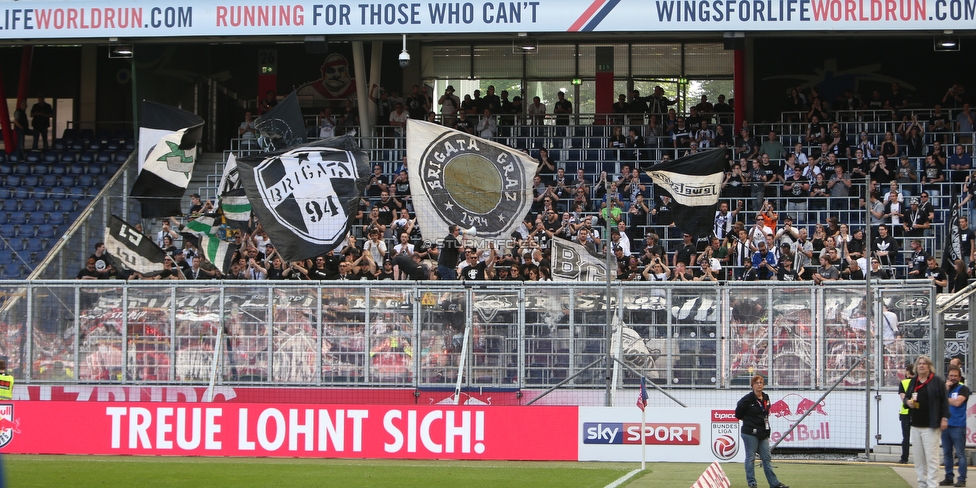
450,104
916,220
786,272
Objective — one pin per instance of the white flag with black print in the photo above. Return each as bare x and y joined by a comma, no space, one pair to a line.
572,262
457,178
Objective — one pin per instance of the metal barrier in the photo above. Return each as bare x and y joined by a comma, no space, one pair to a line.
525,335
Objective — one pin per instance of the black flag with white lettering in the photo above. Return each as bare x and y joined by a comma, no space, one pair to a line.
694,182
305,196
131,249
953,241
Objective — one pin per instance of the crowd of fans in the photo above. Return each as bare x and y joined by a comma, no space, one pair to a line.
790,210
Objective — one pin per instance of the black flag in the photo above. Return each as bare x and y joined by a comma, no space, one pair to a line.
305,196
283,126
694,182
953,243
131,249
168,142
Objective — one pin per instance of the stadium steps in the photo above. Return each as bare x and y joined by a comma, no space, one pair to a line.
208,164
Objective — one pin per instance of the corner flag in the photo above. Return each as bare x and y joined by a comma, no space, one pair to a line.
642,397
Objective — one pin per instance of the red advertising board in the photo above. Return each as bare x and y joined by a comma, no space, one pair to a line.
289,430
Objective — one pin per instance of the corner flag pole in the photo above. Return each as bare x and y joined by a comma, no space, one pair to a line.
643,439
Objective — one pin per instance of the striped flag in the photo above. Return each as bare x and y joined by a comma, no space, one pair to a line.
713,477
642,396
204,230
235,205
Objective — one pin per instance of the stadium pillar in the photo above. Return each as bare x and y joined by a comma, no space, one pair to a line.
362,94
375,70
739,88
604,85
8,132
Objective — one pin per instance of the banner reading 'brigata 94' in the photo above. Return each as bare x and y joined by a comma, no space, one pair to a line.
38,20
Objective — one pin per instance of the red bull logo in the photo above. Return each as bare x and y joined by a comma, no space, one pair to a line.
9,425
793,406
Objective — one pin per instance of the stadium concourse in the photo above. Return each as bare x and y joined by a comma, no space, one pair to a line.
259,317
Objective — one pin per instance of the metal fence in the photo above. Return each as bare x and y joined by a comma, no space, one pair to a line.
529,335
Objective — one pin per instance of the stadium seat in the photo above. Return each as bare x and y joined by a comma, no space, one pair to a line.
49,180
12,181
28,205
104,157
35,244
35,218
112,146
56,218
45,231
40,169
86,134
58,193
11,205
13,157
17,218
22,169
68,157
30,180
70,134
121,156
6,256
113,168
12,271
129,145
59,144
15,244
20,193
51,156
47,205
76,192
76,146
95,169
8,231
4,192
103,180
86,157
68,181
59,169
85,180
76,169
33,156
6,169
94,145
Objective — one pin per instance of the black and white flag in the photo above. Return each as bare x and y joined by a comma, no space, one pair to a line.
282,126
695,183
457,178
131,249
572,262
168,142
304,196
953,240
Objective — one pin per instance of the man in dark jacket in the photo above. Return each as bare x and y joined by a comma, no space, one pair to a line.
928,407
753,411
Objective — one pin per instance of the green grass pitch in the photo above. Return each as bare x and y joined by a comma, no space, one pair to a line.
145,472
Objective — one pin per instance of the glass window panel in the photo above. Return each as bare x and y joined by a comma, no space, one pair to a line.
707,60
657,60
446,61
496,61
552,61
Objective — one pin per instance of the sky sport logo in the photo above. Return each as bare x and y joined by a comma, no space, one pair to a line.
667,434
725,434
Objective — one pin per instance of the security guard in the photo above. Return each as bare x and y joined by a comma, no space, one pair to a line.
906,424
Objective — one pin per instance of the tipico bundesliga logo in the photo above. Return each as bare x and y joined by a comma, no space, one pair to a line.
9,425
725,434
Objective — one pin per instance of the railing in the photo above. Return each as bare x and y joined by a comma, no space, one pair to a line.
520,336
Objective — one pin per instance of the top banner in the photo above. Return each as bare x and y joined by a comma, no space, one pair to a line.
38,20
